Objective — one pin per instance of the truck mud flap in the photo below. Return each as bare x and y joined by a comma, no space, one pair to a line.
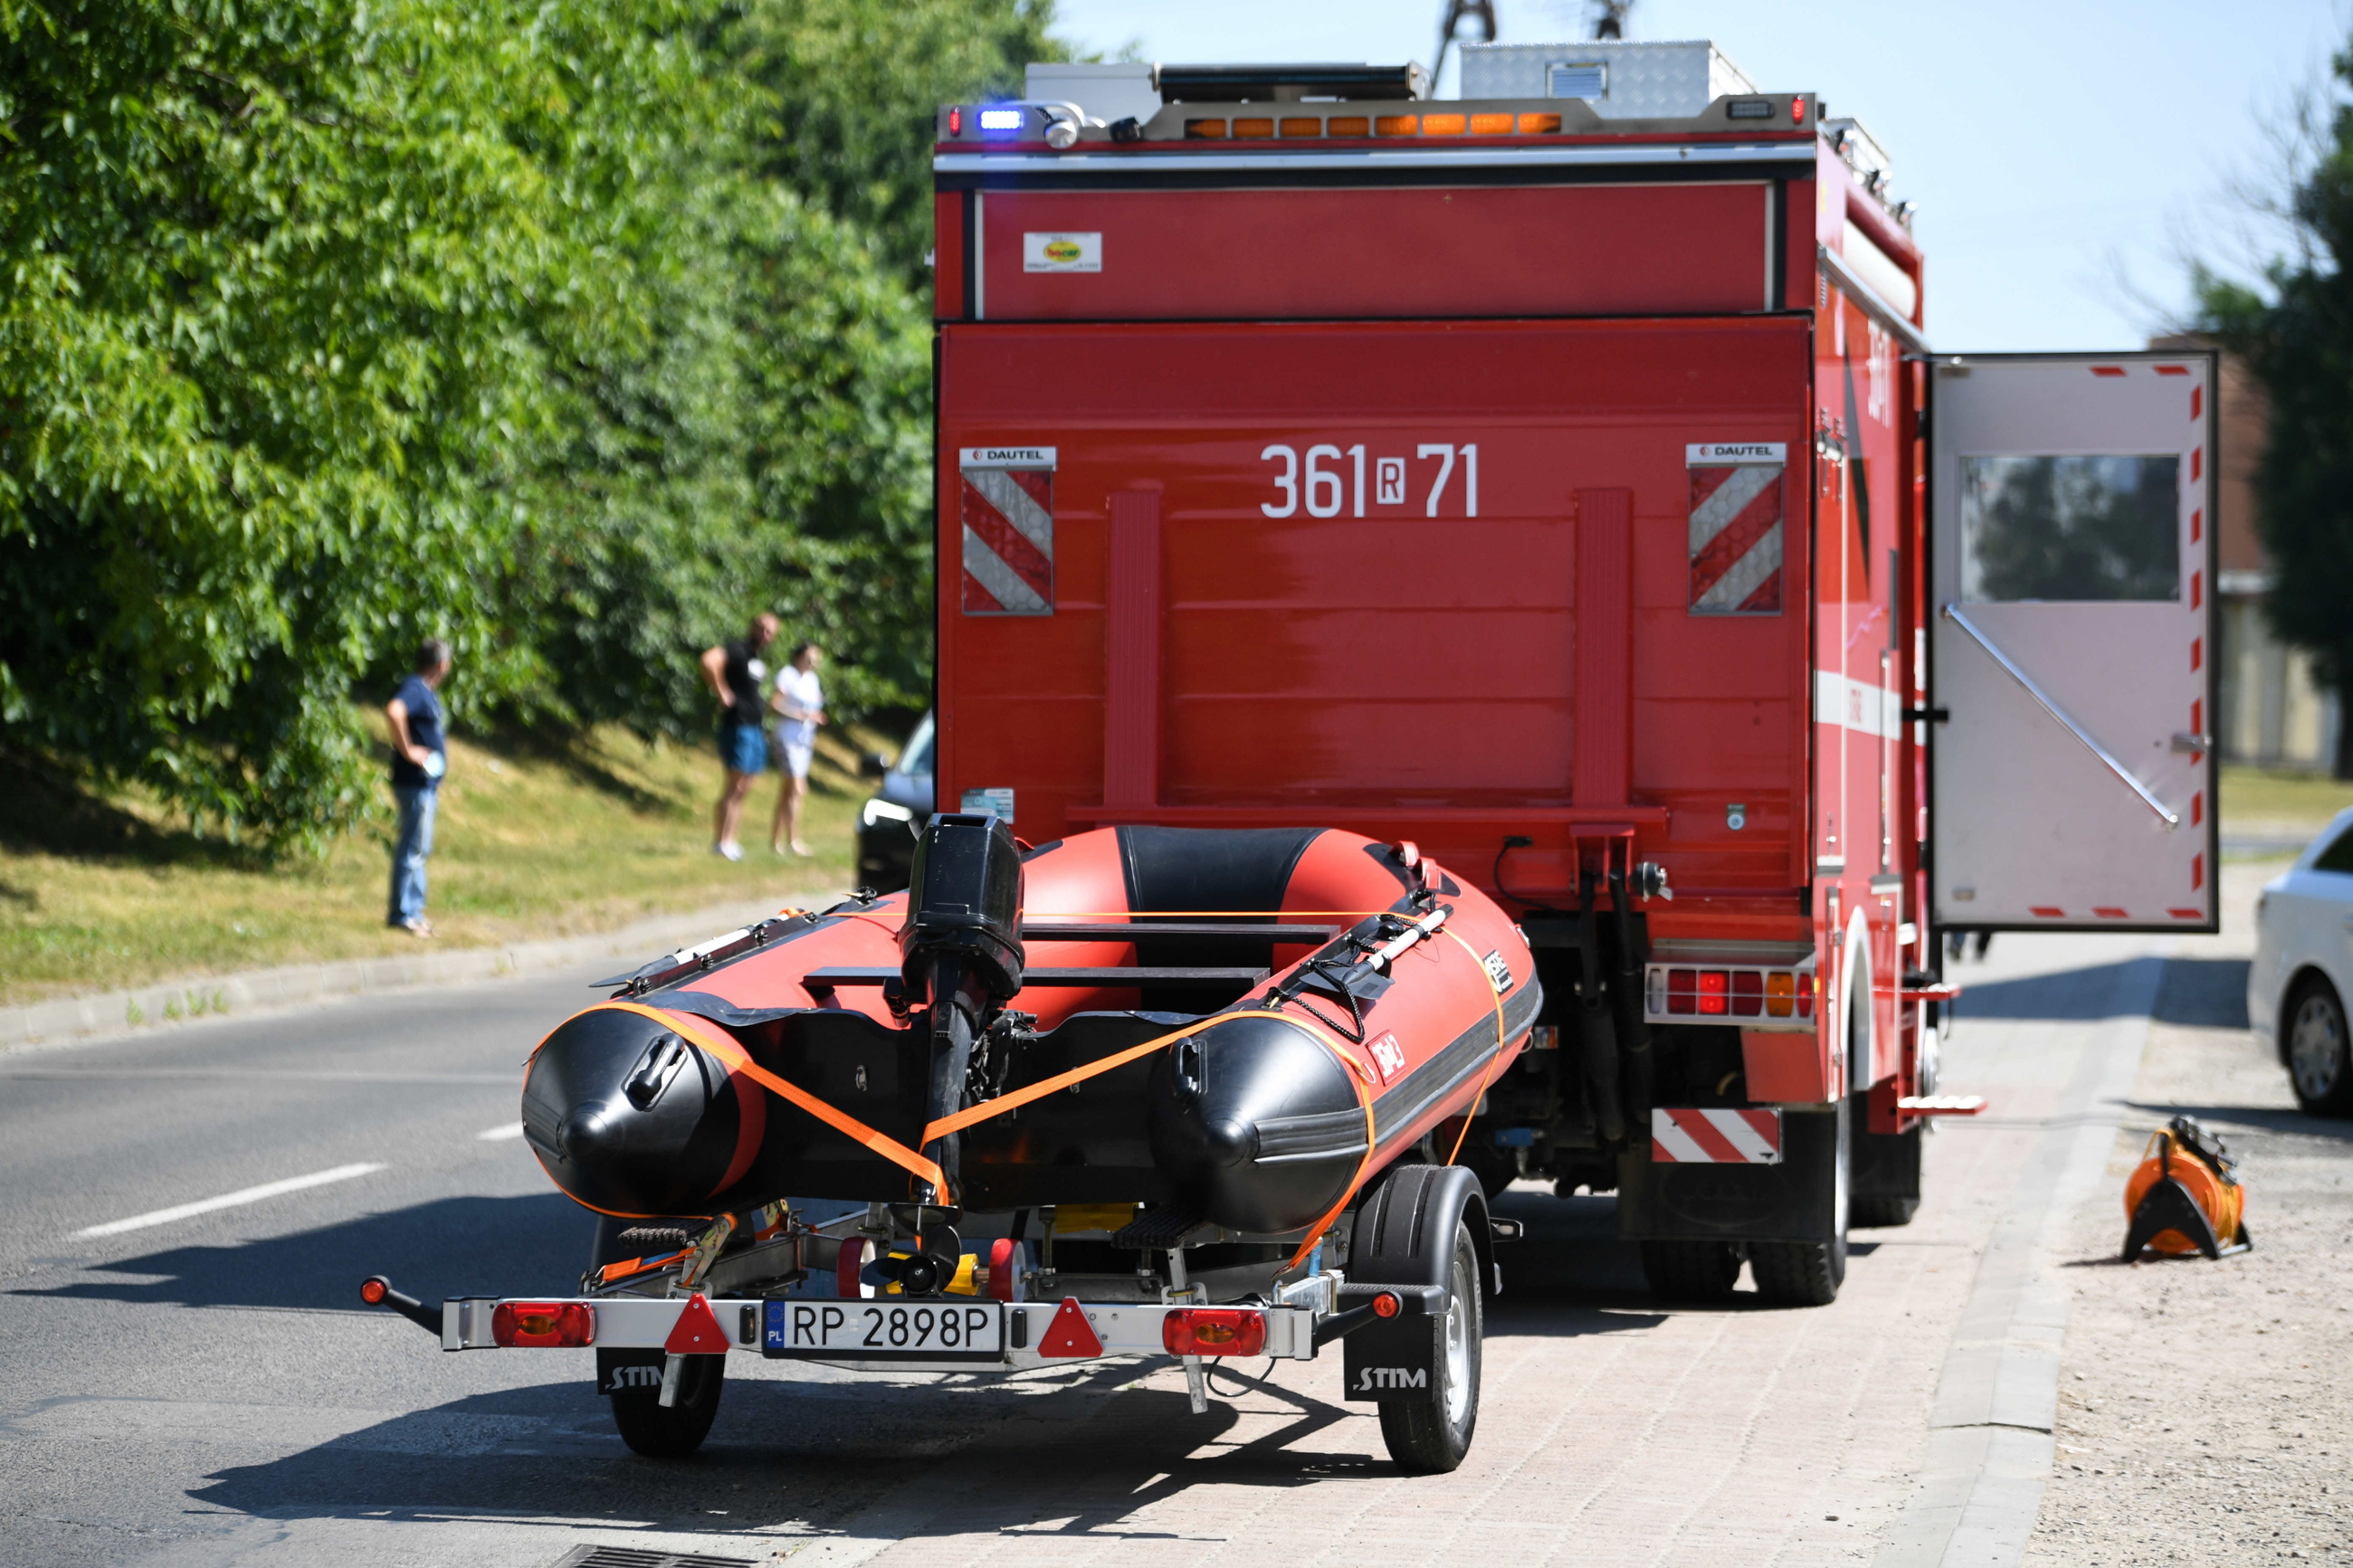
1790,1201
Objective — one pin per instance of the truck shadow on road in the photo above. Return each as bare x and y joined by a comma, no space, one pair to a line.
2207,993
455,1246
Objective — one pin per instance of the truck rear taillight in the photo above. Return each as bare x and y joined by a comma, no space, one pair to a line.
1213,1331
1755,997
527,1325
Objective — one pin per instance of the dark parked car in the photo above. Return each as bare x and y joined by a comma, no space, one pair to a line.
888,825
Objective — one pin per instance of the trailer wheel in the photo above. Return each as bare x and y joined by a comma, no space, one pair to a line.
671,1432
1692,1271
1429,1437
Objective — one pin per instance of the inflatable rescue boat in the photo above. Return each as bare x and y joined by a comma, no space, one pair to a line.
1237,1028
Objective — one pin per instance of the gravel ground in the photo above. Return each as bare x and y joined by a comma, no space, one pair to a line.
2206,1409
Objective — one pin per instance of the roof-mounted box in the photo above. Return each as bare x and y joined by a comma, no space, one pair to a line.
1621,80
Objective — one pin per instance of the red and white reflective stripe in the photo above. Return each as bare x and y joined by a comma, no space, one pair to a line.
1735,538
1009,541
1715,1137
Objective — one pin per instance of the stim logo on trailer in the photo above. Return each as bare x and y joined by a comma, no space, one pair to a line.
1735,526
1009,530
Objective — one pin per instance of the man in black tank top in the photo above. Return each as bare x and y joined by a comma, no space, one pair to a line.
736,675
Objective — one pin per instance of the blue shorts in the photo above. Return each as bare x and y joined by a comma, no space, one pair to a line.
744,748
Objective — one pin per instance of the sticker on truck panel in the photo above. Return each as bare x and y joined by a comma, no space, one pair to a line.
1009,530
1735,526
1062,253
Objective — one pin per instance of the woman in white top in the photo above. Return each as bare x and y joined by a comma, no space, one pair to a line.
800,701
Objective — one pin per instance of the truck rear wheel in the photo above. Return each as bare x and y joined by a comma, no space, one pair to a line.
1809,1273
1692,1271
649,1427
1430,1435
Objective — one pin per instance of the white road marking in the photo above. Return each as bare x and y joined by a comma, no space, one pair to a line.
229,1200
512,1129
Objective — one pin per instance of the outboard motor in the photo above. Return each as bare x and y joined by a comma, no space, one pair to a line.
961,949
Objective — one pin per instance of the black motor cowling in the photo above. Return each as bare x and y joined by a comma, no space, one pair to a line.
964,902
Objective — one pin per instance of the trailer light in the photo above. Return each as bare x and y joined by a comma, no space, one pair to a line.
1713,985
1308,127
956,121
1000,121
1441,124
1254,129
1213,1331
525,1325
1539,124
1781,994
1386,1305
1396,125
374,1290
1491,124
1347,125
1747,993
1205,131
1683,990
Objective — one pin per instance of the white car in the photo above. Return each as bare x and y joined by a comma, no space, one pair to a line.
2303,970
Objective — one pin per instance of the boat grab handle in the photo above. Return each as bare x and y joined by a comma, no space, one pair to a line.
1953,613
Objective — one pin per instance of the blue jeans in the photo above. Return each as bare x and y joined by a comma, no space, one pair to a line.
409,850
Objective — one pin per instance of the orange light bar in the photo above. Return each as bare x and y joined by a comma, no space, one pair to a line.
1396,125
1441,124
1491,124
1539,124
1254,129
1347,125
1308,126
1205,131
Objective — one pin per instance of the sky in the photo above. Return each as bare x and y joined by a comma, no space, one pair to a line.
2066,157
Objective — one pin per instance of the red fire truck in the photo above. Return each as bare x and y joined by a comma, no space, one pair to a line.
1559,478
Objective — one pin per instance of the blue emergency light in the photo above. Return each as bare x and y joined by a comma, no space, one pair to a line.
1000,121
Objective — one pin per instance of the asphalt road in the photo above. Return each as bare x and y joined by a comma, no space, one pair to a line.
205,1389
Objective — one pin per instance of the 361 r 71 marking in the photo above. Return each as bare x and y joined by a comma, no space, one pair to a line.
1326,492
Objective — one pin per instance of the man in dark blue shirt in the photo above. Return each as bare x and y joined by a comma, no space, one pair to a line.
419,758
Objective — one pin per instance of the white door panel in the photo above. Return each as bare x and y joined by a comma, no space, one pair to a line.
2071,641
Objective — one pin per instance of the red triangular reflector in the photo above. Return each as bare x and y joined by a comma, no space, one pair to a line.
696,1333
1070,1334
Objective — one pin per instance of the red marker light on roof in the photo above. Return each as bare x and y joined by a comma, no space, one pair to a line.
1796,112
955,122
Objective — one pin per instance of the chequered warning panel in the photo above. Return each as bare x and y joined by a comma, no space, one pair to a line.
1736,528
1715,1137
1008,538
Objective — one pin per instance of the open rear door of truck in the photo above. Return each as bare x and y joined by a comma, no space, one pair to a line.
2072,648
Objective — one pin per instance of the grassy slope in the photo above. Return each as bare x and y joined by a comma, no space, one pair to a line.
2254,799
100,894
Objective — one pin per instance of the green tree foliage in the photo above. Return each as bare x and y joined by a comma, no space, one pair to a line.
2296,334
571,330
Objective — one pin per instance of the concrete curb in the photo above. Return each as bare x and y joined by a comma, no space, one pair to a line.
143,1010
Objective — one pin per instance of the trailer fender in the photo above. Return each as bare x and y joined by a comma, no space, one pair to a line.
1404,1235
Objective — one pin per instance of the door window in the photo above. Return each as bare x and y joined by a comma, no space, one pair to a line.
2071,529
2339,856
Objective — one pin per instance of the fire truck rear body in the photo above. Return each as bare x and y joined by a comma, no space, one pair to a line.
1555,491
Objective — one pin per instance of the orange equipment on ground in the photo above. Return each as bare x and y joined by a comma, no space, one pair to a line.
2185,1196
